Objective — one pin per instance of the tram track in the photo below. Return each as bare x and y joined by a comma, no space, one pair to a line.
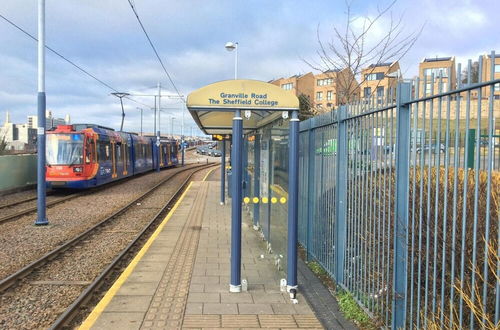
50,203
15,215
41,271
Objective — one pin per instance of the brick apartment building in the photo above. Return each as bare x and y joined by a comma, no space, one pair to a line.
379,80
298,84
442,69
333,88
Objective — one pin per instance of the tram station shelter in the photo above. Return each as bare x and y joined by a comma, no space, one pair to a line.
262,122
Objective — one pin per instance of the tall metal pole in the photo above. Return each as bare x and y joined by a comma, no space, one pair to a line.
293,202
223,174
41,189
159,110
236,62
123,114
154,117
141,121
157,143
235,285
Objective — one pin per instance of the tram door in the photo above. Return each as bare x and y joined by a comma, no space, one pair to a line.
169,159
113,159
161,153
125,158
119,158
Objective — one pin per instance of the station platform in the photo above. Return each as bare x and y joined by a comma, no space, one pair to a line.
180,278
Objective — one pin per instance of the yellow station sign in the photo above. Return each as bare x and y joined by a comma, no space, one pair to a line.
244,95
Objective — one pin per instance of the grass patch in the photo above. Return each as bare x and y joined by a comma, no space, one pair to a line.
351,310
347,305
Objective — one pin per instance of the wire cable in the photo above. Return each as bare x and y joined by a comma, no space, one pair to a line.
155,51
68,60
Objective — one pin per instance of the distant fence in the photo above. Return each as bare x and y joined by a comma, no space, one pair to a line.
400,202
17,171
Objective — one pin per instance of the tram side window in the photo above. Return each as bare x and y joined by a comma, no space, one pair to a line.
104,154
118,152
90,152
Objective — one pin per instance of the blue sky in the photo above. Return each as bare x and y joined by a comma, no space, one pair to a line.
274,38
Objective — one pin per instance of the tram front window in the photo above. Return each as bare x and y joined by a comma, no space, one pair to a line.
64,149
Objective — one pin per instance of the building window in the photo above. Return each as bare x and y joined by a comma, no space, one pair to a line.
324,82
497,87
319,96
329,95
428,89
380,91
497,68
437,72
287,87
367,92
374,76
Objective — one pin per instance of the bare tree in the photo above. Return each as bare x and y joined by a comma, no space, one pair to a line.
354,47
3,145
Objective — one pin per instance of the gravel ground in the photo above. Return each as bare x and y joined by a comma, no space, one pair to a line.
18,196
23,206
35,303
21,242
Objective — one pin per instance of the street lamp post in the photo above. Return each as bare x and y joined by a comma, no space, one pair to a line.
230,46
41,188
141,118
172,128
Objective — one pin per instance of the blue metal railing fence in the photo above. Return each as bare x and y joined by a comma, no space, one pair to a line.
400,199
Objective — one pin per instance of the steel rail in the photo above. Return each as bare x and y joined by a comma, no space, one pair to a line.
13,216
71,312
15,277
34,208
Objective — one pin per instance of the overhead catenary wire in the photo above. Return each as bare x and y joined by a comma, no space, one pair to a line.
155,51
68,60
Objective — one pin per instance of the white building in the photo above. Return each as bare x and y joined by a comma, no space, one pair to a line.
50,121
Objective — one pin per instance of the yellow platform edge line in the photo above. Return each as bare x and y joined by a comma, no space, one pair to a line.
101,306
208,173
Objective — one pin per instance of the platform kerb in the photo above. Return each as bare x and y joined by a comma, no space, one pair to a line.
182,280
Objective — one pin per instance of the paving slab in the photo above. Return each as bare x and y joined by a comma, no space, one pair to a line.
182,281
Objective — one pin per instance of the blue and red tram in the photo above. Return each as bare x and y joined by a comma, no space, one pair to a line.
82,156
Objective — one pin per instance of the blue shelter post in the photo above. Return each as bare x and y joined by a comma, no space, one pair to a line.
256,180
41,188
401,206
223,174
236,177
244,159
293,202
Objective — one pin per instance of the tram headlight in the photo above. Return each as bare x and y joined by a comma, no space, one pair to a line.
78,169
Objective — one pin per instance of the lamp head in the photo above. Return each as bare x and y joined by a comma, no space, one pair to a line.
230,46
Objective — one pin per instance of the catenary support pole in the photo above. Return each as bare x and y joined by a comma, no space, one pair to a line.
41,188
236,168
293,201
158,133
223,174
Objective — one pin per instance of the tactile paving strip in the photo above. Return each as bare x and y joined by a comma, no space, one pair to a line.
168,304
